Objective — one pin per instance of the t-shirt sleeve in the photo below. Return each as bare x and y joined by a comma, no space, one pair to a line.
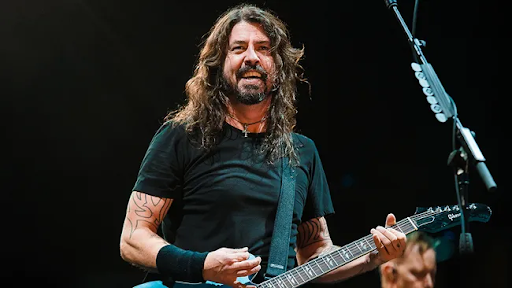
159,173
319,202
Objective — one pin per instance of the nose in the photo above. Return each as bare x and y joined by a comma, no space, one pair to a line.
251,57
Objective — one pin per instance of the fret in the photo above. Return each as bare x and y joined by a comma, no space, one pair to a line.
363,245
415,228
330,261
339,256
353,250
322,265
345,255
291,279
309,270
266,284
300,275
349,250
359,248
369,244
316,262
398,226
326,263
279,282
286,282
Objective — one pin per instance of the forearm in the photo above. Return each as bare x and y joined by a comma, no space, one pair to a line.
140,247
358,266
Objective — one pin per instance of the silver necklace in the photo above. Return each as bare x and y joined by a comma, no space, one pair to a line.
247,124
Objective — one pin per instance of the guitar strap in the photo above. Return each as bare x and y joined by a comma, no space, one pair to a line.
279,246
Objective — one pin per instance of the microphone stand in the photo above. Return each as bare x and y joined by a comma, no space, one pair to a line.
444,108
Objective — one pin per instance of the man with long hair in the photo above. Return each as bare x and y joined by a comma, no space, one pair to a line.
212,172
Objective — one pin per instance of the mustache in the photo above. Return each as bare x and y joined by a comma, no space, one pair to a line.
256,68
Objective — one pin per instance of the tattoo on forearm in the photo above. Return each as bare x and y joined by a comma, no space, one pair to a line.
148,209
312,231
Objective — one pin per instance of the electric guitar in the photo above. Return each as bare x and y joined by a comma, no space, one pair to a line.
430,220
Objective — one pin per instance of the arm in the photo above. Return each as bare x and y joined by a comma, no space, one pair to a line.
314,240
140,242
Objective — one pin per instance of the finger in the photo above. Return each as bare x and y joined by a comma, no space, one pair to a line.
399,235
378,243
390,220
388,237
402,242
246,264
240,256
402,245
238,284
237,250
241,273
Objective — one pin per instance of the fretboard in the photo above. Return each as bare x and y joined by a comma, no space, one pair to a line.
331,261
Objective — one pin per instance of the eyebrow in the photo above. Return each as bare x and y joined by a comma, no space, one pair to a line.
257,42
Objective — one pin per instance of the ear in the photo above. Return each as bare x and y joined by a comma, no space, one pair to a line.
388,271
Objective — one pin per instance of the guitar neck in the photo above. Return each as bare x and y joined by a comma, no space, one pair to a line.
331,261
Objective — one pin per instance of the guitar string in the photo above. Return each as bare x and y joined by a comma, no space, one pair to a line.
295,271
404,222
325,265
318,271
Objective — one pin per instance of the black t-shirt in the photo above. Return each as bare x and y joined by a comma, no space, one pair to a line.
228,196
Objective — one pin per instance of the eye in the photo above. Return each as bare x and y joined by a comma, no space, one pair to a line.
237,49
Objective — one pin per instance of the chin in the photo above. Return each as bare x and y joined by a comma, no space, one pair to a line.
251,99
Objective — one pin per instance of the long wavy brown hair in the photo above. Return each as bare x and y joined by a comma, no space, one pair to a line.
205,110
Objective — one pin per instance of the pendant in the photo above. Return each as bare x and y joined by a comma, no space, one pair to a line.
245,130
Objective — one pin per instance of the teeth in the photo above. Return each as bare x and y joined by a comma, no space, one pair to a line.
252,74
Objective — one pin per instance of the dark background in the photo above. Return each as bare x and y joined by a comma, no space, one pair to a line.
85,84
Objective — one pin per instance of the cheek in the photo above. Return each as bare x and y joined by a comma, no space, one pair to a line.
269,66
271,71
408,278
229,68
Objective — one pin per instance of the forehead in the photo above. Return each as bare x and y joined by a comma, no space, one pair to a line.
417,261
247,32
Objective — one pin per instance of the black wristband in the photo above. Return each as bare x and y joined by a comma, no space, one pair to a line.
181,265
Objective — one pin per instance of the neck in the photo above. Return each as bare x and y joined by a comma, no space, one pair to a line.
241,116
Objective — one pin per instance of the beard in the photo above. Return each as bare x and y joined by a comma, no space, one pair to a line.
248,94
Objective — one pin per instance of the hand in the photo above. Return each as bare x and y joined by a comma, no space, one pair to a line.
225,265
389,242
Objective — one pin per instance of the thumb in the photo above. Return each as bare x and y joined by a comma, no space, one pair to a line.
390,220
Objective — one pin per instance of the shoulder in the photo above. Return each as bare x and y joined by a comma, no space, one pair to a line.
169,132
171,127
301,141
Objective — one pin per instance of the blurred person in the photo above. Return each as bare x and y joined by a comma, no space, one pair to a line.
416,268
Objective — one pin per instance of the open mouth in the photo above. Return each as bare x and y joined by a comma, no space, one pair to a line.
252,76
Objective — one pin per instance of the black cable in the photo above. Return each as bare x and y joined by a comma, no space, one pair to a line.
414,17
